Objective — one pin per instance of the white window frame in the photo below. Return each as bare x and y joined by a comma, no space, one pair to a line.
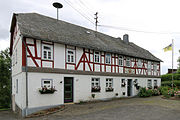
50,85
95,82
128,60
108,58
48,52
139,64
121,60
96,57
109,82
70,58
149,83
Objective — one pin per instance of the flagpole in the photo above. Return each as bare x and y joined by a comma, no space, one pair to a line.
172,61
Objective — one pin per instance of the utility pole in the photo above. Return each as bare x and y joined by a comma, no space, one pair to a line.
96,18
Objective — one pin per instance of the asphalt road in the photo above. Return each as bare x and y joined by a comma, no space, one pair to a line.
153,108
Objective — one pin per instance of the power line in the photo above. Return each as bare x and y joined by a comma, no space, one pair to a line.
86,17
82,2
133,30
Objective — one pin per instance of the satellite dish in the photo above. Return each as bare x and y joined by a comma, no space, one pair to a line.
57,5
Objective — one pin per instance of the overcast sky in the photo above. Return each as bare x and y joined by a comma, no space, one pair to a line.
158,21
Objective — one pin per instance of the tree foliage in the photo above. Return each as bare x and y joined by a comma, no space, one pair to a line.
5,78
178,64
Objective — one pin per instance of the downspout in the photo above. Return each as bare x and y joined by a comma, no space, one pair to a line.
26,70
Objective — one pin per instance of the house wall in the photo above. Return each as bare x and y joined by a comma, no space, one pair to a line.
84,60
82,88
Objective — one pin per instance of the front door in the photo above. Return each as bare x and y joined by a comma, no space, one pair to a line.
129,87
68,89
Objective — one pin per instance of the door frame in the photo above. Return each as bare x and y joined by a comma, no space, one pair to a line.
72,89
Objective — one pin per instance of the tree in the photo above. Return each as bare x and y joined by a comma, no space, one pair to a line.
178,63
5,78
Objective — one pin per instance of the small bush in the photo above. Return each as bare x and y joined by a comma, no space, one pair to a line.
155,92
145,92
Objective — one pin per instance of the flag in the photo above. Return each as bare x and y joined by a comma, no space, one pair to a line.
168,48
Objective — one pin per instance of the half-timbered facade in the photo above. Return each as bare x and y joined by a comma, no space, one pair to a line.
74,63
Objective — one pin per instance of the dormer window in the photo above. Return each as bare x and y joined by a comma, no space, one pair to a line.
96,57
108,58
70,57
47,52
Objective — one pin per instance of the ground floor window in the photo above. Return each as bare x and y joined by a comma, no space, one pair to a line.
155,84
149,84
16,85
123,83
109,85
47,83
95,85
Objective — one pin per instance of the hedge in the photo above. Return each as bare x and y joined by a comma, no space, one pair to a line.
168,77
168,83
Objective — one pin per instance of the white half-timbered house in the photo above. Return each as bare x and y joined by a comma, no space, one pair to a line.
55,62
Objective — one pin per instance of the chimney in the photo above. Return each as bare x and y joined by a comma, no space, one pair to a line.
126,38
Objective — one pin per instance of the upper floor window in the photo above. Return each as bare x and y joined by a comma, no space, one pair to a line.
96,57
155,67
108,58
120,61
47,52
139,63
128,62
149,66
70,56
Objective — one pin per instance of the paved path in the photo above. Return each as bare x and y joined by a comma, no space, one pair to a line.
153,108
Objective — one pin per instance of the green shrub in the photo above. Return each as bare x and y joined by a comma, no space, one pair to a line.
169,83
168,77
155,92
145,92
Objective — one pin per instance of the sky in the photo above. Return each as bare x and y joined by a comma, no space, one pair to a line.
151,24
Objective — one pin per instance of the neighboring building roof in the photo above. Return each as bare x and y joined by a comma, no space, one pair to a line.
170,71
49,29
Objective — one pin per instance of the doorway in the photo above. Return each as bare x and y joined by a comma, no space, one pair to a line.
129,87
68,89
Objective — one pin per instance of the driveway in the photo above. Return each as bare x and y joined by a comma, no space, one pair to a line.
153,108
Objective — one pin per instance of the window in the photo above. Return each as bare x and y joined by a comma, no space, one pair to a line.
16,85
108,58
95,85
96,57
47,52
149,66
155,83
120,61
139,63
109,85
70,56
155,67
149,84
47,83
123,84
128,63
109,82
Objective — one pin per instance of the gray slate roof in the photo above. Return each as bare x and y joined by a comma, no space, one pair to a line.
49,29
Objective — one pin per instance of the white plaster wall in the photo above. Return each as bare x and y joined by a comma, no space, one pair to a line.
17,45
82,88
59,56
36,99
20,97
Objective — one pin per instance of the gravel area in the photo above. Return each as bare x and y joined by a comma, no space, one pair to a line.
152,108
